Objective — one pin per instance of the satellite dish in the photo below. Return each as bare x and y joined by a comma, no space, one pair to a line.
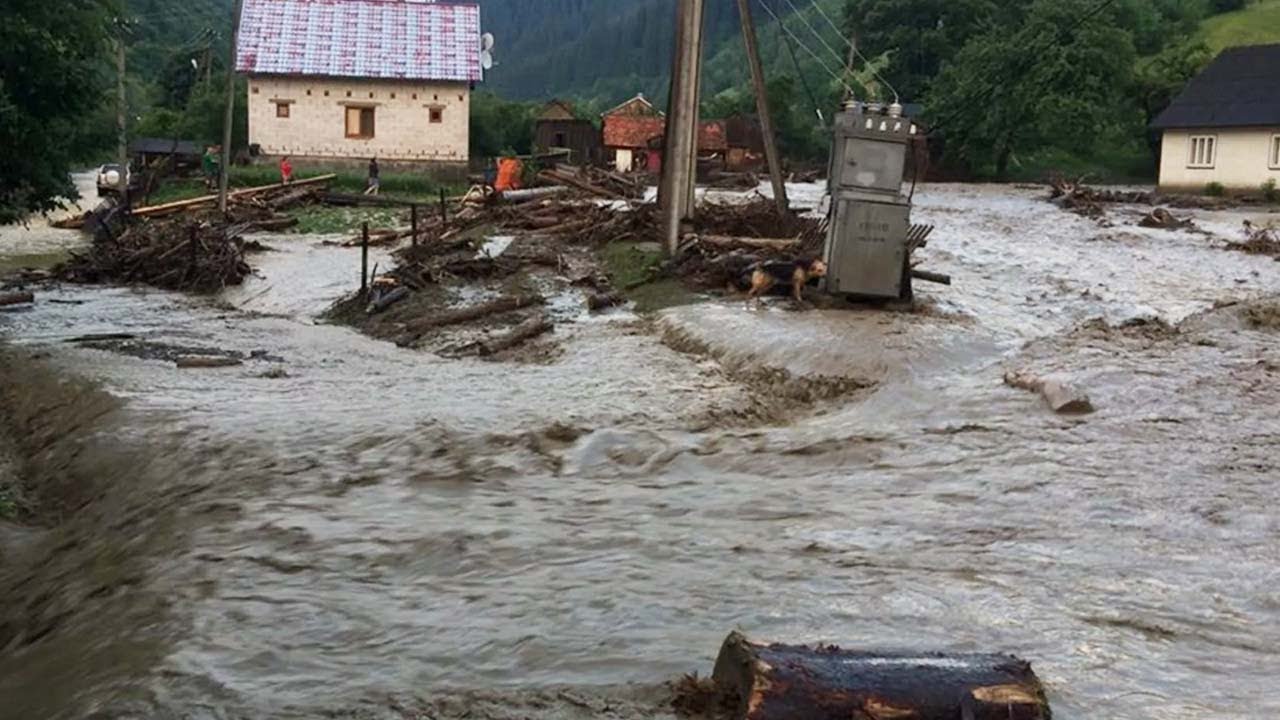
486,51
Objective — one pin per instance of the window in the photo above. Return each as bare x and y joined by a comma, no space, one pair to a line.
282,109
560,141
437,115
1202,151
359,122
1274,161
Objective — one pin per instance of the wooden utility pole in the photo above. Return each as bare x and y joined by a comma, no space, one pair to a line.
229,118
762,106
680,146
122,109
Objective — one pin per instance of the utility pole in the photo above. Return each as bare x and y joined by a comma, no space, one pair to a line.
680,145
122,109
762,106
229,118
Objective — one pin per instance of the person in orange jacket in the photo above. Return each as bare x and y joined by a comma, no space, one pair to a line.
286,170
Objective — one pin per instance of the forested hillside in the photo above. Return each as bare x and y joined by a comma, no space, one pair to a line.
589,49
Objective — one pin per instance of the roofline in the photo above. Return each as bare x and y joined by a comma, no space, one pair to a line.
1157,125
364,78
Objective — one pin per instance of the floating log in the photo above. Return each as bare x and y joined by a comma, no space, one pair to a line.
1162,219
101,337
525,331
167,208
782,682
415,329
16,298
387,300
206,361
1062,397
932,277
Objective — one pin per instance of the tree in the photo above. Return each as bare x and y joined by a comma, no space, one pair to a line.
1057,78
920,35
51,79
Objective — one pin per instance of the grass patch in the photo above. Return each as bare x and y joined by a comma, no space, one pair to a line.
633,267
1257,24
175,189
401,186
325,220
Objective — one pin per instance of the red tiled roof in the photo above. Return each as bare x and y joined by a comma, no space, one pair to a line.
637,131
631,131
386,39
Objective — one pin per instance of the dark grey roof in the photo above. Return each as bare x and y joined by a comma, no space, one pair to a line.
164,146
1240,88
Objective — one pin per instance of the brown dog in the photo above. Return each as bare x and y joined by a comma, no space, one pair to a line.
768,275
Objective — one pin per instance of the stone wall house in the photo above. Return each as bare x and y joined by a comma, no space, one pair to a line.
1225,125
337,82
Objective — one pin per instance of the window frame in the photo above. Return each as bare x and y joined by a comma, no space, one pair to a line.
1202,151
435,115
1273,153
283,109
362,133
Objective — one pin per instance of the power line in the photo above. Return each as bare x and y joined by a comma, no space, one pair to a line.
817,5
804,82
796,11
814,55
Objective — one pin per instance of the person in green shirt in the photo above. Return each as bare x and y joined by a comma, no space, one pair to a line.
209,164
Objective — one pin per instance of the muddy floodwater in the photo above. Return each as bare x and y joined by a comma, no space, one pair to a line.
343,528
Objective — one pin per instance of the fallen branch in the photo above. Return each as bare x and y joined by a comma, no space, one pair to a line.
527,330
726,241
167,208
387,300
417,328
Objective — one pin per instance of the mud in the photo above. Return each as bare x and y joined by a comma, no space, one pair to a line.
387,533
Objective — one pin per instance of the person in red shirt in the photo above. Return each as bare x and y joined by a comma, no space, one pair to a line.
286,170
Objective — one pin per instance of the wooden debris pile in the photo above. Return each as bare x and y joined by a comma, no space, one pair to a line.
1263,240
1162,219
595,182
173,254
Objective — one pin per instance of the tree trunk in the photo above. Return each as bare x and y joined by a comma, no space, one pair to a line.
1003,153
521,333
780,682
461,315
17,298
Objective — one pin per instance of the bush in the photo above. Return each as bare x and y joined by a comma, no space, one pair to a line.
1225,6
1269,191
1215,189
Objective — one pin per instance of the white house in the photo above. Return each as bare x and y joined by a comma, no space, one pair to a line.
1225,126
334,80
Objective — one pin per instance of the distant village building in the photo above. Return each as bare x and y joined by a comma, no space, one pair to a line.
1225,126
559,128
633,132
745,142
351,80
627,130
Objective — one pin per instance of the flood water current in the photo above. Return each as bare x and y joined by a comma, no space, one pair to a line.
378,523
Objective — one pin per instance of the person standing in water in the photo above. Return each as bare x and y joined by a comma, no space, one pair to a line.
374,183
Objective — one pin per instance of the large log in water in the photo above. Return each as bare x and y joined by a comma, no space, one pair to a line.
415,329
786,682
17,298
525,331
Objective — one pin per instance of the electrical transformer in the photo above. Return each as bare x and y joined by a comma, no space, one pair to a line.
868,247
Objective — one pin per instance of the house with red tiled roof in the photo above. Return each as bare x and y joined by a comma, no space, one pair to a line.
634,130
333,80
